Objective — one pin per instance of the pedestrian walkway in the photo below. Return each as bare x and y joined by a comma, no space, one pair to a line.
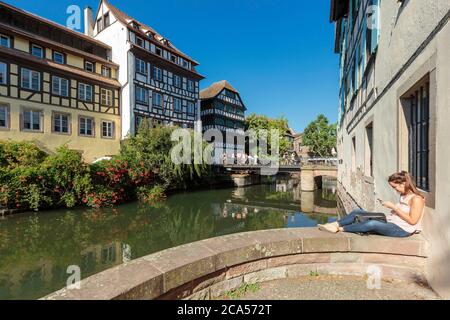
336,288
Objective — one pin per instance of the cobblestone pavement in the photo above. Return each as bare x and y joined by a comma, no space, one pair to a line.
338,288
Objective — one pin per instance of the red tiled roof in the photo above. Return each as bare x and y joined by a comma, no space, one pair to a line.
215,89
126,19
55,25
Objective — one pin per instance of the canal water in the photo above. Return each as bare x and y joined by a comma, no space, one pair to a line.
37,249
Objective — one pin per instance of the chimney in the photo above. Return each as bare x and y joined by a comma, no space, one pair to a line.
88,22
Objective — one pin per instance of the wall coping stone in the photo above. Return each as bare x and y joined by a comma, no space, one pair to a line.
155,275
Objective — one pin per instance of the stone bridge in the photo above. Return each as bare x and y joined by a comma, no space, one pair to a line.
209,269
311,176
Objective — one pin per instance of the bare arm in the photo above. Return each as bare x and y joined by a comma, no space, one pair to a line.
413,218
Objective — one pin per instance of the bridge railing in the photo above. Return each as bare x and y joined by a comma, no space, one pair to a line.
332,162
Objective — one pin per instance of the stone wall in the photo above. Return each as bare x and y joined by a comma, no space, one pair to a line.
346,202
210,268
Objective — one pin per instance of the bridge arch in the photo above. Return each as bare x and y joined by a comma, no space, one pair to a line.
312,176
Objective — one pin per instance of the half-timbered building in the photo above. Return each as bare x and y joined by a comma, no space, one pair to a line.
223,109
159,82
57,86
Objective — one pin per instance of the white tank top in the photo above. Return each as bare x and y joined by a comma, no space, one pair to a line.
406,208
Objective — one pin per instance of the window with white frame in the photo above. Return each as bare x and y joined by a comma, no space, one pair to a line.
190,85
191,108
60,86
106,97
86,126
157,99
141,66
4,117
30,79
157,74
106,72
89,66
61,123
108,129
141,95
177,105
58,57
177,81
5,41
85,92
37,51
32,120
3,73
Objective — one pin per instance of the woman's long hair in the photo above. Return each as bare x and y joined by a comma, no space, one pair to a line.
405,177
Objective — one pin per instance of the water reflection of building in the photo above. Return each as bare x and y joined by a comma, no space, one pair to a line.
283,196
110,254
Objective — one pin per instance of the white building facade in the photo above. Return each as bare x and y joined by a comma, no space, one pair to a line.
159,82
395,108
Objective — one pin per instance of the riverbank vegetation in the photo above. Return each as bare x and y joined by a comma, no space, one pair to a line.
260,122
31,179
321,137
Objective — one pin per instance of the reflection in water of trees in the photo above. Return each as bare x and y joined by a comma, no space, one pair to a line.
35,250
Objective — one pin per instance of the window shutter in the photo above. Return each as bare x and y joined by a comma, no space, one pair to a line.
21,121
41,124
113,130
53,123
8,124
93,128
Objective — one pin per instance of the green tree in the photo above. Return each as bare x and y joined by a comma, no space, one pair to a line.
152,148
321,137
261,122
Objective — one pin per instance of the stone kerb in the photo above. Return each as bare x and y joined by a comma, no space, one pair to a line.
209,268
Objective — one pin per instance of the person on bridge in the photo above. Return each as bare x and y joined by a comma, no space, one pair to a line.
404,220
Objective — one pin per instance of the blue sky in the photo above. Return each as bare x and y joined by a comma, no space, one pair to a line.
277,53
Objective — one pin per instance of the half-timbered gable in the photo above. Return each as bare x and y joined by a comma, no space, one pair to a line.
51,78
160,83
222,109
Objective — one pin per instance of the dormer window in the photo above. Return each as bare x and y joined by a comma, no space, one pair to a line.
58,57
89,66
37,51
5,41
135,25
149,35
106,72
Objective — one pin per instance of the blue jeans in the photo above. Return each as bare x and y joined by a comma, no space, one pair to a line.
373,226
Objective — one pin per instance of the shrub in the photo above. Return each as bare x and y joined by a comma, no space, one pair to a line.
151,195
16,154
116,182
56,180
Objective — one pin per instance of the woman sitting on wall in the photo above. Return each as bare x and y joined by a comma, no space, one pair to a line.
404,220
